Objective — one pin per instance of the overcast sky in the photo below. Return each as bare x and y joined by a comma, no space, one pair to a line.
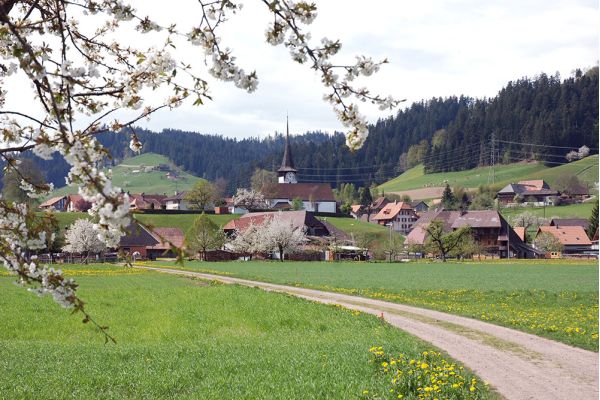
435,48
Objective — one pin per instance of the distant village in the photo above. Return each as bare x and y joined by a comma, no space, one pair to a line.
305,207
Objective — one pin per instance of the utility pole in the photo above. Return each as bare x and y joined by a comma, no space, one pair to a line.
492,171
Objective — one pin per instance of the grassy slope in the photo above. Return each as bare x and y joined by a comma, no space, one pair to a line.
414,178
180,339
182,221
547,298
147,182
583,210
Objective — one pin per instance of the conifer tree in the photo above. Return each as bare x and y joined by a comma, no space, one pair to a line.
593,222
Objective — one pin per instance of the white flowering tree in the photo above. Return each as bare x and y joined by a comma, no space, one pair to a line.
249,199
81,237
281,235
249,241
85,66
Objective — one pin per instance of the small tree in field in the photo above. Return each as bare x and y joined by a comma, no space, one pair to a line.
441,243
204,235
547,242
201,195
282,236
81,237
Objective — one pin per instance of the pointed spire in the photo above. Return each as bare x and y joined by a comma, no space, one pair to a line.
287,164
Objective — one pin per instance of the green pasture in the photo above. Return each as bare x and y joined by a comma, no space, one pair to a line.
556,299
154,182
415,178
188,339
582,210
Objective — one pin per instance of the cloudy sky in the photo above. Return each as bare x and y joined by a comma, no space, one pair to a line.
435,48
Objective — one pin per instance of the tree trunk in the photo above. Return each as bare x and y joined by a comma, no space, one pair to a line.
281,254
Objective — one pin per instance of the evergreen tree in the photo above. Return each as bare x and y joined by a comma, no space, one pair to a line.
448,199
593,222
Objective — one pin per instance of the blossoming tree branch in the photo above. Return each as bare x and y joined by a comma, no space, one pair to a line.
84,68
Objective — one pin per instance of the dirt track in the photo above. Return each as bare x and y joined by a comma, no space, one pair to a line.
516,364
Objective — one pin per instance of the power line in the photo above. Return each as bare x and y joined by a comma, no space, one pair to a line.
544,145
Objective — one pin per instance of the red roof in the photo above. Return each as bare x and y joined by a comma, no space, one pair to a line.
537,184
173,235
52,201
478,219
520,231
391,210
304,191
567,235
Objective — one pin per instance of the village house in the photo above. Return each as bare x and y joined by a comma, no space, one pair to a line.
562,222
315,197
144,201
400,216
58,203
298,219
419,206
176,202
573,239
489,229
70,203
534,191
144,243
367,213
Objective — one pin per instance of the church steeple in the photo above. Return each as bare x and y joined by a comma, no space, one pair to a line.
287,173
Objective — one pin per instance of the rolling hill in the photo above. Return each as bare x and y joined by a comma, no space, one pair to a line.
424,186
141,174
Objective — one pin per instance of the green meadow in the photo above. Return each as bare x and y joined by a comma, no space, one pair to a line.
131,177
189,339
557,299
415,178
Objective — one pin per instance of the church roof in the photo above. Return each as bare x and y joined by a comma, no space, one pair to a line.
304,191
287,164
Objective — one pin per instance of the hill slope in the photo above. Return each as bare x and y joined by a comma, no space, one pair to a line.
140,174
415,178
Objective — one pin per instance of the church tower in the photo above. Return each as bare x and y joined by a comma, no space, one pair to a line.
287,173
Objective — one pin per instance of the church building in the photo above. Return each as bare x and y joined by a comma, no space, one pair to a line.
317,197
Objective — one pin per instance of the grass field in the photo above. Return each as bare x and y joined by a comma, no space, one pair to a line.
154,182
555,299
182,221
185,339
415,178
583,210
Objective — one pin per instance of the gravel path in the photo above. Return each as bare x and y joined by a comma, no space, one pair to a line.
516,364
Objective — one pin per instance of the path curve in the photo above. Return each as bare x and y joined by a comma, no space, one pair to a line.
517,365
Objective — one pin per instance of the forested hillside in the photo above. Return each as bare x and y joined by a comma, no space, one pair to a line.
448,134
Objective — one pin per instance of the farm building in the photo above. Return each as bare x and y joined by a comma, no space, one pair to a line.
574,239
400,215
488,228
150,243
537,191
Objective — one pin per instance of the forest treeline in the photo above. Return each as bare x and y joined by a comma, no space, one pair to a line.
445,134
